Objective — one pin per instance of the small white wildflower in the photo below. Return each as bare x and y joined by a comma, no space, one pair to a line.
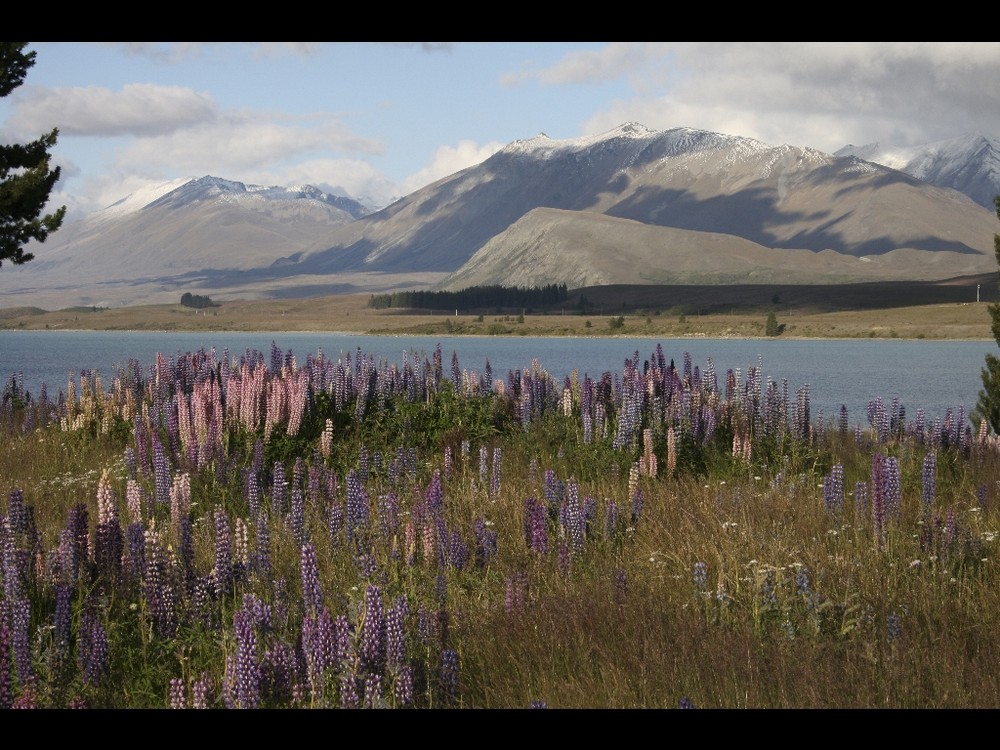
915,563
832,532
756,479
954,580
723,481
974,510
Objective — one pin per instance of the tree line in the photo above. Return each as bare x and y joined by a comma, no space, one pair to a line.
474,297
196,300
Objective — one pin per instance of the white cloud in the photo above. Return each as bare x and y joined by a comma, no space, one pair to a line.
138,109
450,159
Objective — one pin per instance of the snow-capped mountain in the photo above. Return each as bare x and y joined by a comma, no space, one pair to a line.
969,164
632,205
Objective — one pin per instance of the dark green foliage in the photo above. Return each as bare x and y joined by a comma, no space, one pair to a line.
196,301
25,178
988,406
772,328
473,298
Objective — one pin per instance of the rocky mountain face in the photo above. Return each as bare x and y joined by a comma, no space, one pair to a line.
634,206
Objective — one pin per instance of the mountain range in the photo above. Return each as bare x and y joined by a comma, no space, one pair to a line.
630,206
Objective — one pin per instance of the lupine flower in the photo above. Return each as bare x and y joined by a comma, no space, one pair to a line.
177,695
312,592
449,675
403,686
927,478
246,668
894,629
372,635
700,577
6,679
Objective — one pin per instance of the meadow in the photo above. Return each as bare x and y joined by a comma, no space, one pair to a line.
263,532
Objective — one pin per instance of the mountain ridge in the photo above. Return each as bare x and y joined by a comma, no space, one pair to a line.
631,205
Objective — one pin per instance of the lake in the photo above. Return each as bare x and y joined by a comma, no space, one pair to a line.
929,374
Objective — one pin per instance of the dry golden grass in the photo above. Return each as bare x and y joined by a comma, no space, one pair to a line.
351,314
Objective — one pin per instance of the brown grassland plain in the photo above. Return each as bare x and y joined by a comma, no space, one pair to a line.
849,311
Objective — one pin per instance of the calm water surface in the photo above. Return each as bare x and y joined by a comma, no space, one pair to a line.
933,375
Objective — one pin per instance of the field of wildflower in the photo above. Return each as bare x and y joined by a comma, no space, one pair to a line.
251,530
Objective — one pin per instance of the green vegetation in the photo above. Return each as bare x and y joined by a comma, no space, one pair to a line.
196,301
358,534
25,178
473,298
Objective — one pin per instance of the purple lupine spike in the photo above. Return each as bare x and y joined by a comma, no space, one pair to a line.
612,519
403,686
246,668
449,676
373,690
833,490
20,620
262,554
6,646
342,640
279,490
700,576
563,555
297,516
395,636
458,551
372,636
496,475
223,554
927,479
92,650
177,698
312,592
349,692
62,619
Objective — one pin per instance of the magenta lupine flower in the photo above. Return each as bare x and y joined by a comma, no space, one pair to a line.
178,698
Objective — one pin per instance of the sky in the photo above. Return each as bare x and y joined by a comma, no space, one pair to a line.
379,120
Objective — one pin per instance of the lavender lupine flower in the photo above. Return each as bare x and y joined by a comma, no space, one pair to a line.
612,519
861,497
262,555
458,551
537,527
833,490
20,639
200,691
372,636
349,692
373,690
223,556
893,485
92,650
927,478
298,517
246,668
403,686
357,505
279,490
483,463
449,675
6,678
312,592
497,472
686,703
161,473
62,619
178,699
563,556
638,501
700,576
395,636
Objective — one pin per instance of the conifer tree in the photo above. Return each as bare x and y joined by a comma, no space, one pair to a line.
988,406
25,177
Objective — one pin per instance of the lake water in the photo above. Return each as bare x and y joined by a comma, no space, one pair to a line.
933,375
